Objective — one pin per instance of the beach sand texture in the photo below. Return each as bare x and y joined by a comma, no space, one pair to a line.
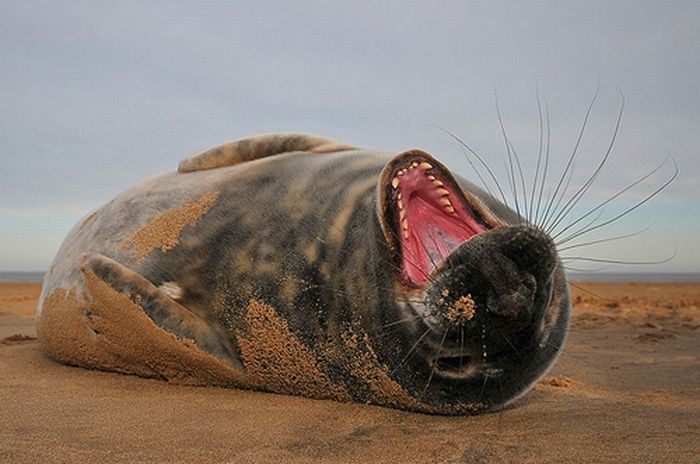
626,389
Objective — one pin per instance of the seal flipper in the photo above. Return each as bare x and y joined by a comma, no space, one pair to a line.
99,323
257,147
162,309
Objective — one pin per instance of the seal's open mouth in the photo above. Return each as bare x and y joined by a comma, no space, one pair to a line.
433,218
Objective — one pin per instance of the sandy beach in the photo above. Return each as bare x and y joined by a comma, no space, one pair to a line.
626,389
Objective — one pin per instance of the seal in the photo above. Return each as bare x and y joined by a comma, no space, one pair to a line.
300,265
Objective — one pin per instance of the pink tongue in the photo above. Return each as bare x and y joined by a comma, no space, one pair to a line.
433,235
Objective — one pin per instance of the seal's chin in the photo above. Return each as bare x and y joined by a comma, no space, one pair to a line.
433,218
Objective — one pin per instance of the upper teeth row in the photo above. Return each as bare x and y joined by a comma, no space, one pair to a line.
423,166
442,192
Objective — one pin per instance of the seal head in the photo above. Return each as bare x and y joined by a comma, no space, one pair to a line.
482,292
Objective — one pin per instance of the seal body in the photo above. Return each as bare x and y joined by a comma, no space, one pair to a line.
299,265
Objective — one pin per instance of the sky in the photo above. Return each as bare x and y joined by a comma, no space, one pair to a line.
96,96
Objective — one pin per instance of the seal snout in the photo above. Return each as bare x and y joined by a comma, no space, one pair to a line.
504,273
512,291
521,259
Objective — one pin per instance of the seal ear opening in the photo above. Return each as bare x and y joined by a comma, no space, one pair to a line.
424,214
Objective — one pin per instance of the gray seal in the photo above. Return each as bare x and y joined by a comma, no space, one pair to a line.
300,265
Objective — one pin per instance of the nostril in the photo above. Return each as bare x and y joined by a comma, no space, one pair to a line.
500,271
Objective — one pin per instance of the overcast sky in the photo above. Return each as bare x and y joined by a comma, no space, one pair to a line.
95,96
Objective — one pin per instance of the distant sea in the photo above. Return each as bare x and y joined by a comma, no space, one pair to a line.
21,276
575,276
634,276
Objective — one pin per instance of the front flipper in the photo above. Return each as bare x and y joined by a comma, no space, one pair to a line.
163,310
257,147
119,321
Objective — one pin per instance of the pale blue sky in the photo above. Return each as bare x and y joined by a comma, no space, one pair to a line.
96,96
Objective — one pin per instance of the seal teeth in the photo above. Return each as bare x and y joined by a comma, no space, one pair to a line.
440,191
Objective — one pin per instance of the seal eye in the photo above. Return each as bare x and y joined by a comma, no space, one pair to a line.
433,218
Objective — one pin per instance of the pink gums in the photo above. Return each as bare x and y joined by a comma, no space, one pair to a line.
435,228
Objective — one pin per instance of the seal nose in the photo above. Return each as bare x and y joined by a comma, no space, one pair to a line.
512,291
524,256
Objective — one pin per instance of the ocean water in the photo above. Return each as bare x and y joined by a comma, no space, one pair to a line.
575,276
634,276
21,276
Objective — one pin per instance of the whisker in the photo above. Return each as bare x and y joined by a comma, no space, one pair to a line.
474,168
569,163
621,261
566,187
539,161
605,240
461,345
483,163
483,387
401,321
622,214
381,334
581,192
432,371
509,342
546,163
595,269
522,181
405,358
589,292
511,180
592,221
471,163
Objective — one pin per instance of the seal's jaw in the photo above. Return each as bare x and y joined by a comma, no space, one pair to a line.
428,214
